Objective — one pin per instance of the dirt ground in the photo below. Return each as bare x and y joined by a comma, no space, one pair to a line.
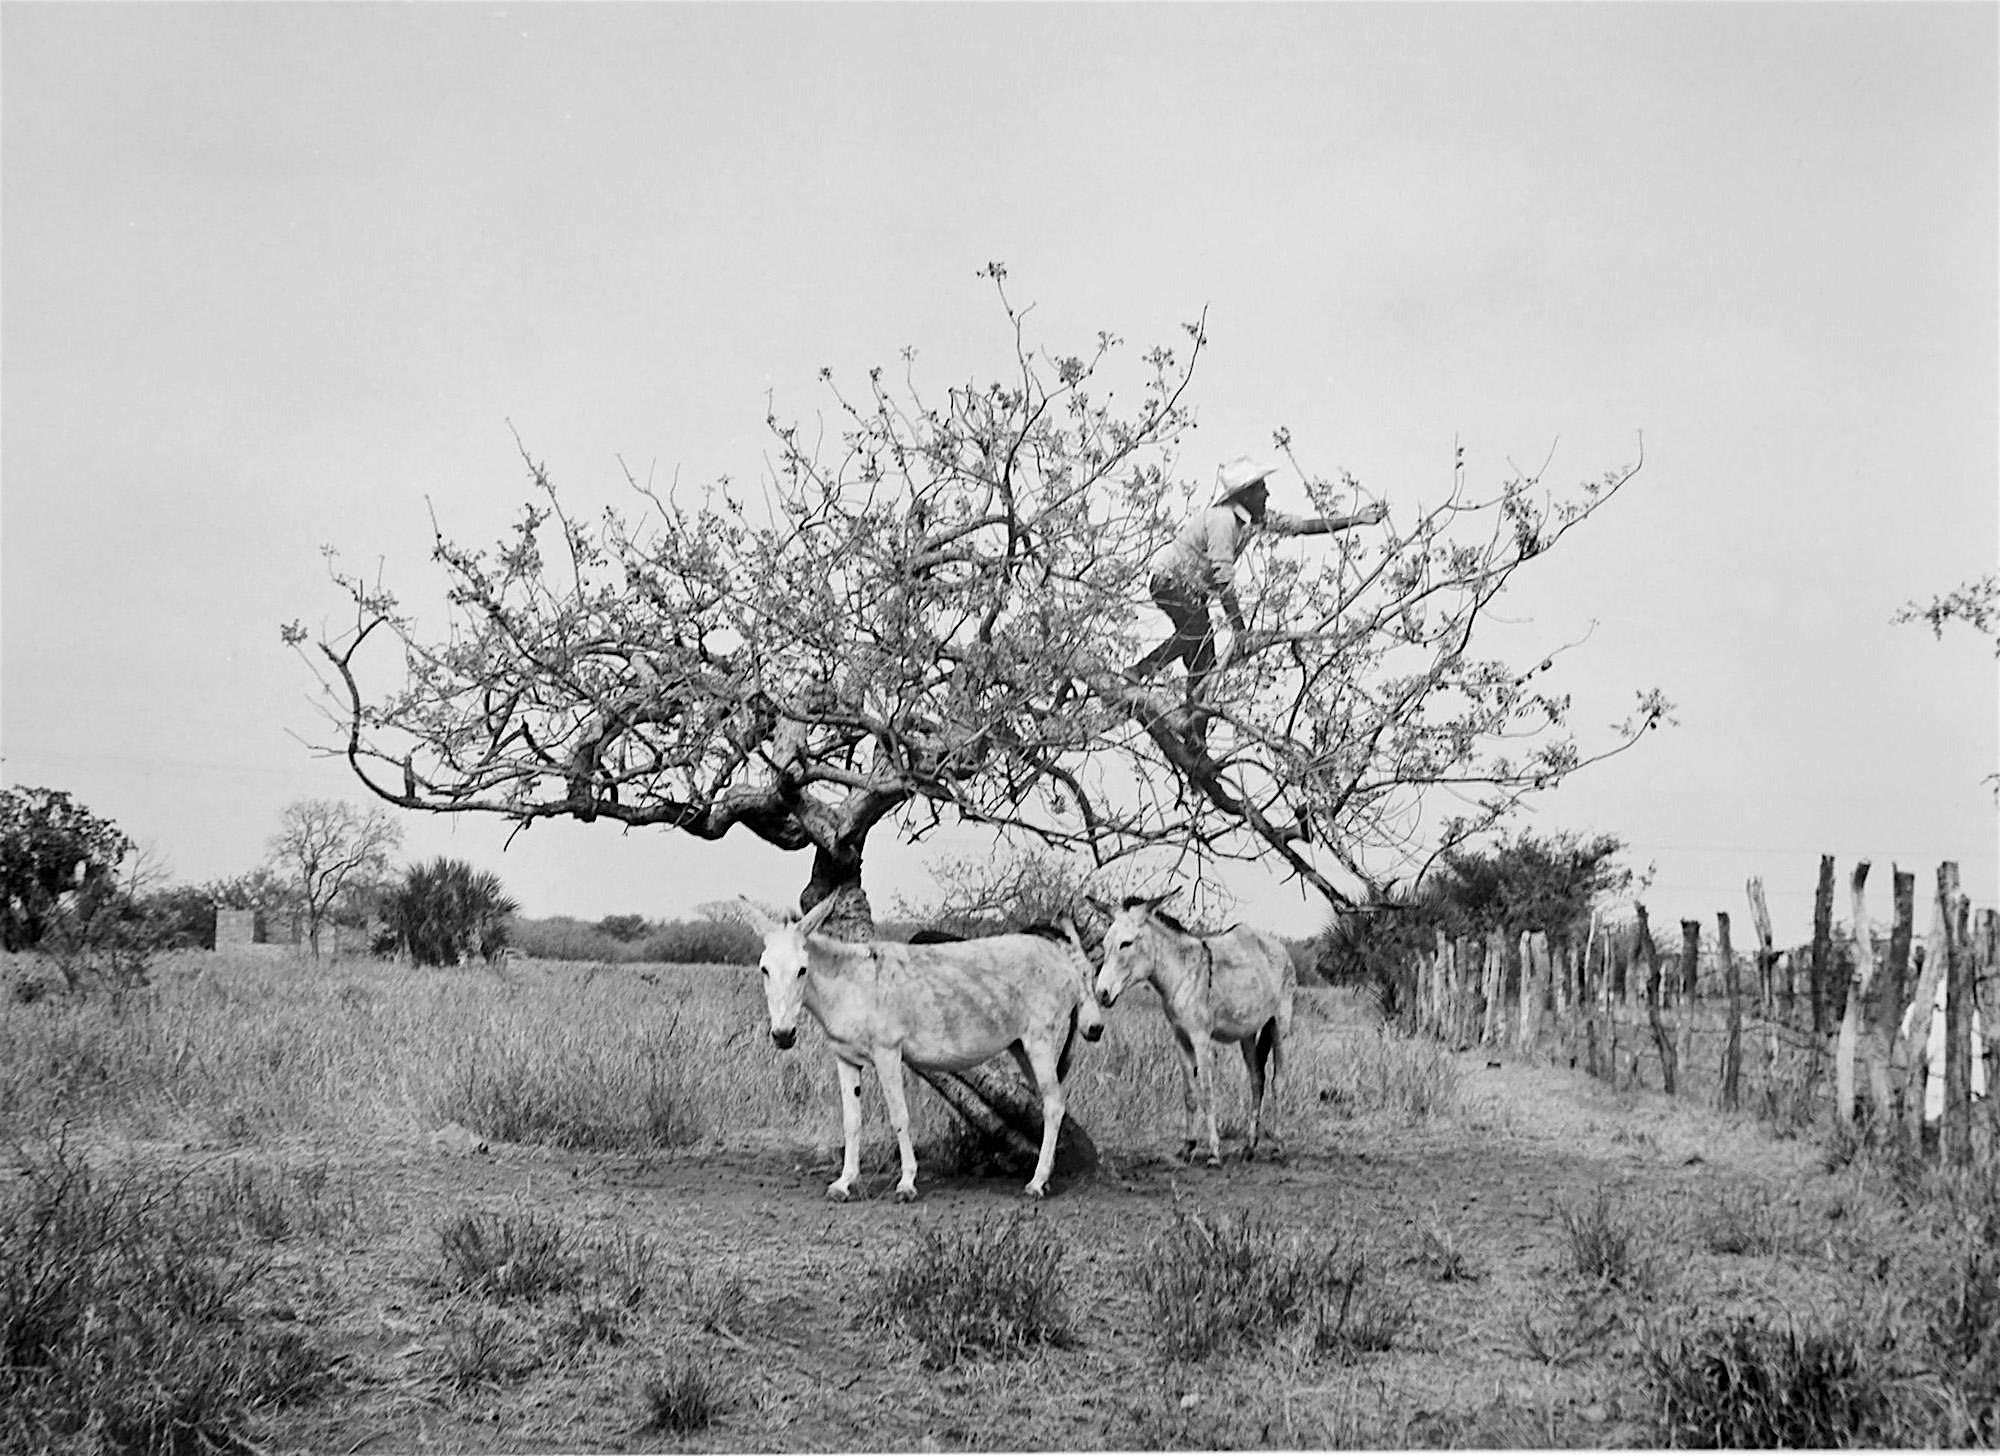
768,1289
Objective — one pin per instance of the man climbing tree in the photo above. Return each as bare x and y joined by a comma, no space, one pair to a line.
1199,564
898,633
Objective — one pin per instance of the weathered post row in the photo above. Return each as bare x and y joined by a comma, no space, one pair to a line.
1883,1012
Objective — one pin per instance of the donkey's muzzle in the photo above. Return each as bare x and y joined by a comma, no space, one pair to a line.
784,1038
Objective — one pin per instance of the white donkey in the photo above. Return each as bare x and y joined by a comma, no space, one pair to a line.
943,1007
1236,986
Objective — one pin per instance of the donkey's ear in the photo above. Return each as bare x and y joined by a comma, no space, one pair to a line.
817,916
1157,901
754,915
1100,907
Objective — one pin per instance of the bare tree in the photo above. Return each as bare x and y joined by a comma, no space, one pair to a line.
327,848
917,618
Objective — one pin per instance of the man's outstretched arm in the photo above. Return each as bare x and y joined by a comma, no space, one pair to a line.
1282,525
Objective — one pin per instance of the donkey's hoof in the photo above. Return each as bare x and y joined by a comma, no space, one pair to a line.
906,1194
837,1193
1215,1160
1035,1190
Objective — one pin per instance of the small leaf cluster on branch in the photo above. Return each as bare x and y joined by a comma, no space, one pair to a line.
919,615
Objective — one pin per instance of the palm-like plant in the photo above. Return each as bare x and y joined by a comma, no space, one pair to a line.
445,912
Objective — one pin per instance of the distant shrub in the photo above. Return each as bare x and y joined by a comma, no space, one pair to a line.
994,1290
623,927
673,942
702,942
182,917
562,938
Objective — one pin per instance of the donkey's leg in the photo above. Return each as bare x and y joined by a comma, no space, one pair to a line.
850,1123
889,1072
1262,1056
1254,1049
1190,1073
1204,1076
1042,1054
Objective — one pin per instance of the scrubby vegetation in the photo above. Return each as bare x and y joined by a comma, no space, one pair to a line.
646,1239
630,939
993,1290
1216,1283
138,1310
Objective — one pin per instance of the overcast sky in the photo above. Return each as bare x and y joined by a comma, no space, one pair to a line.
278,277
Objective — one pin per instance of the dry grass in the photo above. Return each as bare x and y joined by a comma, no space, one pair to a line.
645,1255
235,1047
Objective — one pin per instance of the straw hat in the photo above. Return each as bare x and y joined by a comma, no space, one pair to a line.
1240,476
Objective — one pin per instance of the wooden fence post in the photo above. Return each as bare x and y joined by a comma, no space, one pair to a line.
1615,964
1461,975
1661,1037
1767,958
1902,930
1439,1018
1923,1005
1986,942
1822,942
1732,1047
1850,1015
1523,996
1955,1136
1562,973
1496,966
1690,960
1767,975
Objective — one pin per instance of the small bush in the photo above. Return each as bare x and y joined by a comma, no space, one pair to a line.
995,1289
1214,1282
1602,1245
1740,1384
682,1397
476,1348
507,1258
